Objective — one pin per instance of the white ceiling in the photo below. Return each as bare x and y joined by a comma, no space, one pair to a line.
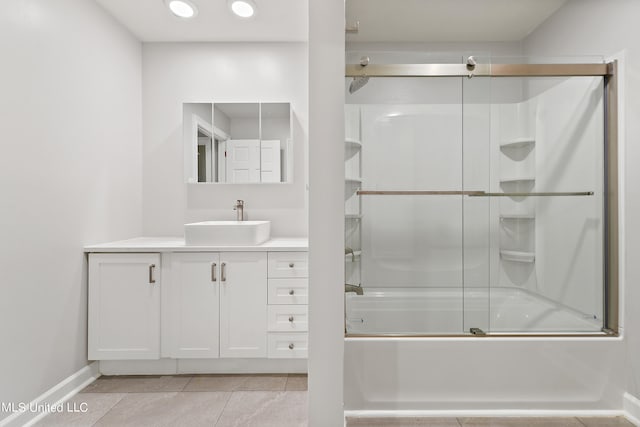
151,21
380,20
447,20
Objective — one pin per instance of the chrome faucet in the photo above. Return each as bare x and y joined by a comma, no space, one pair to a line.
353,288
239,208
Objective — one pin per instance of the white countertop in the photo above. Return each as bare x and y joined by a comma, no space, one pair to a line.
176,244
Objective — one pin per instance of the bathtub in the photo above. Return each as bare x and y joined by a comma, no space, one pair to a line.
442,311
464,375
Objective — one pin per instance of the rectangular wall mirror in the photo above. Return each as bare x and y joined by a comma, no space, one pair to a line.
237,143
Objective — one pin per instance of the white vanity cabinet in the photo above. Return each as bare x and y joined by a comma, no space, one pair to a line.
243,304
124,306
214,311
216,305
192,306
287,313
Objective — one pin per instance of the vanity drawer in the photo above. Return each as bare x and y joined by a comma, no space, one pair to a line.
290,345
288,291
287,318
288,264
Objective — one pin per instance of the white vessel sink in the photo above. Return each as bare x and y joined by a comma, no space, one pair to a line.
227,233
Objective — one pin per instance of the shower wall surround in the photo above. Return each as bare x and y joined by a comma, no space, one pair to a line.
554,138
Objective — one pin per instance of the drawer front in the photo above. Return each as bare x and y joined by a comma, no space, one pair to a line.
288,291
287,318
288,264
287,345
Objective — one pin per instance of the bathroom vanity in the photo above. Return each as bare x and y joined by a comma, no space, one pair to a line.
157,305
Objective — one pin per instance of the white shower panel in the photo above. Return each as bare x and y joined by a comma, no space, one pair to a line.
569,230
412,240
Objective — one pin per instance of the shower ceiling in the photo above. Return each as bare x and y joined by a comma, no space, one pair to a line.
447,20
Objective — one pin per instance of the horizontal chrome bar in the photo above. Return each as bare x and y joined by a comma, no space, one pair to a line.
418,193
486,70
490,335
541,194
414,70
470,193
548,70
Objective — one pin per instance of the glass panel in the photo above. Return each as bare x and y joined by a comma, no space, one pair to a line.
240,145
199,142
476,163
404,134
275,142
547,136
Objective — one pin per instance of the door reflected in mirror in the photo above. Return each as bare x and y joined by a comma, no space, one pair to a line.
237,143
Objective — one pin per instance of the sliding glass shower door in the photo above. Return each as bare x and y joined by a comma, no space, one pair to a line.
409,181
474,205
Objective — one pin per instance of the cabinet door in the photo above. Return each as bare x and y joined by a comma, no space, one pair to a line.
194,303
124,306
243,304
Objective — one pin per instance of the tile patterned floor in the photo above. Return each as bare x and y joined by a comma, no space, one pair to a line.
198,400
242,401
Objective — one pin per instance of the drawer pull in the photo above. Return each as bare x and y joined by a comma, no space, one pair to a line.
291,319
291,265
291,346
291,292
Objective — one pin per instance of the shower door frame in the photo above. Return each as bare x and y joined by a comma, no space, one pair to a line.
609,72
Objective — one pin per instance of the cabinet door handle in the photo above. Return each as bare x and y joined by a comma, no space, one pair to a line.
291,319
214,267
291,346
152,268
291,292
291,265
223,272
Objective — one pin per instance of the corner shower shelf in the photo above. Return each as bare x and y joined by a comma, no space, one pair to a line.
352,143
517,217
518,256
352,180
523,180
518,143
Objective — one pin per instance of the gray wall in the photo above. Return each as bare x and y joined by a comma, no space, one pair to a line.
70,175
587,27
174,73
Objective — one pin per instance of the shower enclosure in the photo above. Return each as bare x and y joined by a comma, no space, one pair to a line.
480,198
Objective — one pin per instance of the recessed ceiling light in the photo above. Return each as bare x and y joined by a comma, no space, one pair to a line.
182,8
243,8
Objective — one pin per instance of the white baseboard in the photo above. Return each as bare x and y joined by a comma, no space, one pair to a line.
631,407
203,366
57,394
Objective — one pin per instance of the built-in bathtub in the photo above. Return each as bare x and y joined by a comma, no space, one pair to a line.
550,373
451,311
